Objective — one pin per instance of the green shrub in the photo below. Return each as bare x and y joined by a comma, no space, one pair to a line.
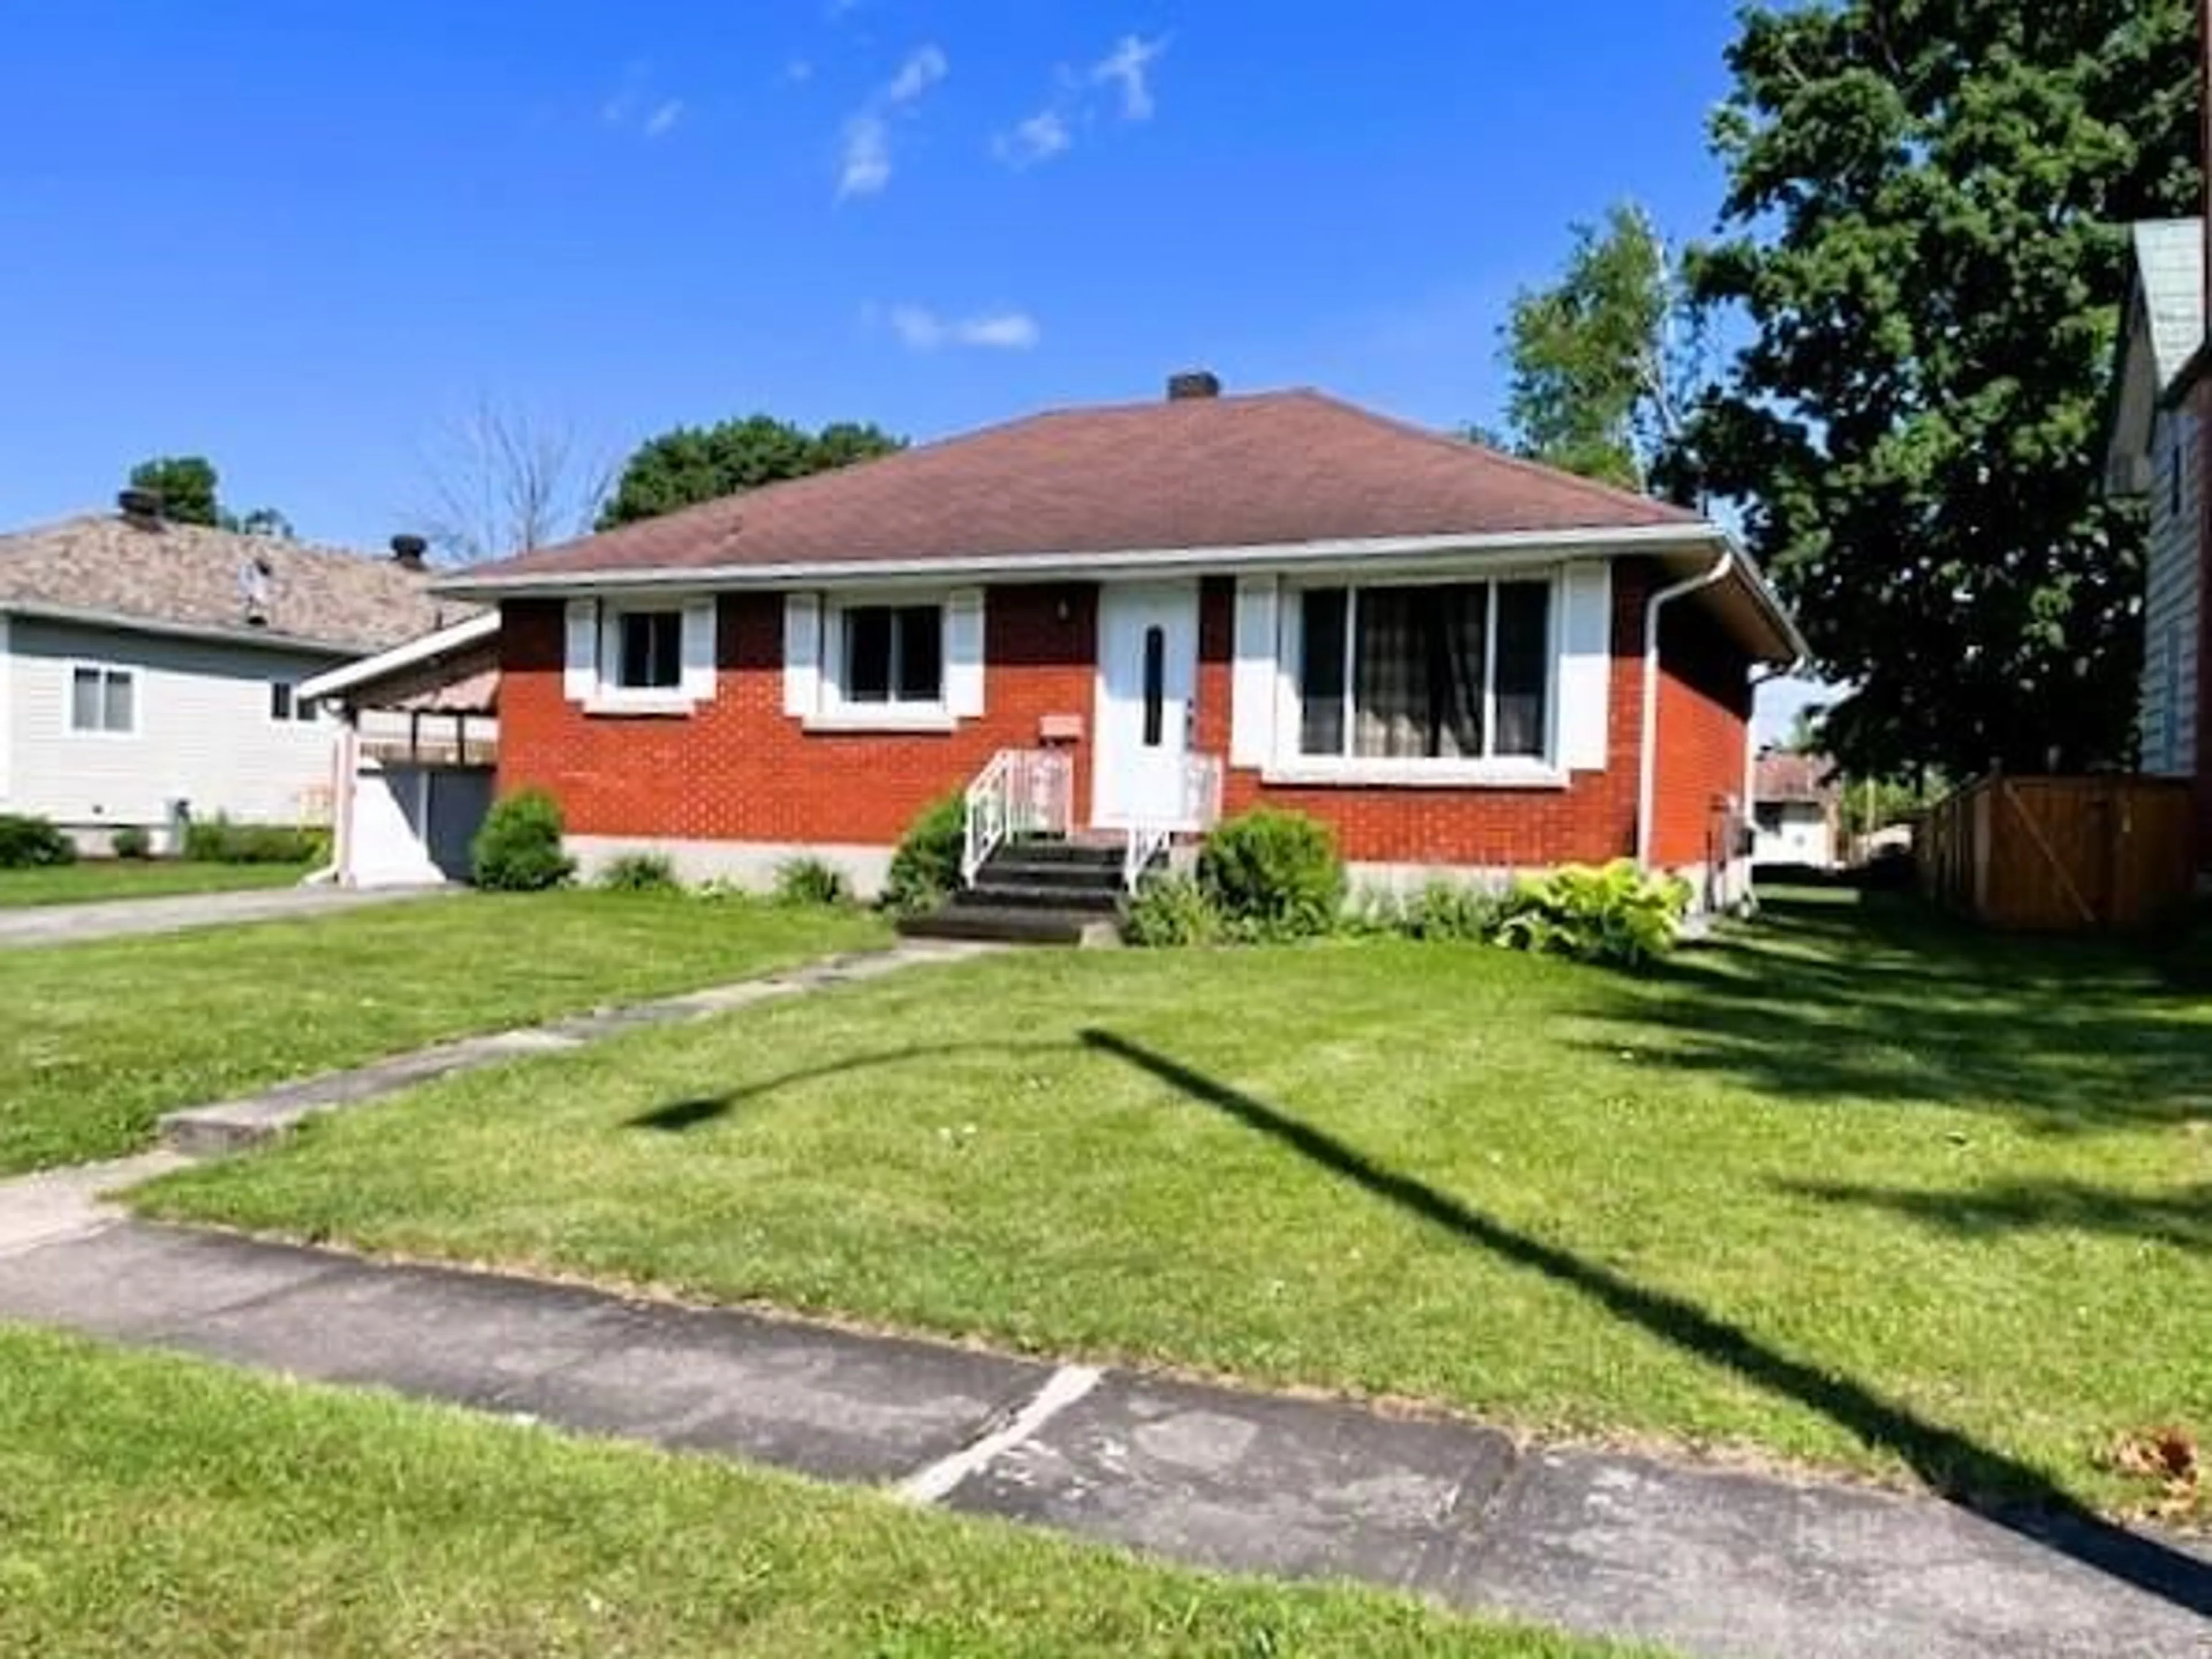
926,868
219,840
130,841
1617,914
640,873
518,848
812,881
1450,911
1171,909
1273,874
27,843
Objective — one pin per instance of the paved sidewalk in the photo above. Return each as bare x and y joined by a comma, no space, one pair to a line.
68,924
1717,1563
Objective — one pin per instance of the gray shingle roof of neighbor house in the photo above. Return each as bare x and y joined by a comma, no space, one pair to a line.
2170,267
1265,469
126,571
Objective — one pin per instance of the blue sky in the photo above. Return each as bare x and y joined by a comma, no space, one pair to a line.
302,238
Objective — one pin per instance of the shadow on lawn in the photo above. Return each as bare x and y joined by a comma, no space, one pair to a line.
1991,1484
675,1116
1886,1000
2182,1218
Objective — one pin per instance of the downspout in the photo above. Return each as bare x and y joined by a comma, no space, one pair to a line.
1647,767
345,750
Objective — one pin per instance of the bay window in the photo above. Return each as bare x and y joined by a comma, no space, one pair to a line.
1447,672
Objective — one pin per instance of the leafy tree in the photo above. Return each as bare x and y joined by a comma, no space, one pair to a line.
690,465
186,484
1605,362
1806,736
189,488
1924,229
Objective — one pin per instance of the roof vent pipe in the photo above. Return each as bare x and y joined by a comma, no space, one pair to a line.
140,505
408,552
1193,384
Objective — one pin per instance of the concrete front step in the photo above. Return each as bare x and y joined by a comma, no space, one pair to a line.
1006,925
996,893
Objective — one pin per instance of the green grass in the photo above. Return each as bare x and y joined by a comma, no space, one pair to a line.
1846,1188
157,1506
99,879
97,1040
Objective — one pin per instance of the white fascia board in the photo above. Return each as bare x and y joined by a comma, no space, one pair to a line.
423,647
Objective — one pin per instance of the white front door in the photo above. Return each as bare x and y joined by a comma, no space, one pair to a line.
1147,678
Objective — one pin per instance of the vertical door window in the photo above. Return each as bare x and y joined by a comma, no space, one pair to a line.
1156,688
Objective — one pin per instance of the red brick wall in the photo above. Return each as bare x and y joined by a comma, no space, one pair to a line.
1705,717
740,769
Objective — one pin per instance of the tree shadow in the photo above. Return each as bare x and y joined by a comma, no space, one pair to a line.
675,1116
1886,1001
1986,1481
2182,1218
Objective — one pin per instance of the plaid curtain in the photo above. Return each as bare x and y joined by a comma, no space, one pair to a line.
1459,616
1390,686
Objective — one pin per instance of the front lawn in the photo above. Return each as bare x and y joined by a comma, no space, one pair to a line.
155,1506
121,878
97,1040
1848,1187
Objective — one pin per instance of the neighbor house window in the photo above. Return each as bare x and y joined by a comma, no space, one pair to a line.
893,653
1460,670
648,650
103,699
285,704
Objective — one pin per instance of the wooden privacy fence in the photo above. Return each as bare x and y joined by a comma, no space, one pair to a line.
2061,854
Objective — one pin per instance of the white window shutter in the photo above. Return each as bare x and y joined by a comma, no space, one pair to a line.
1253,685
1586,667
580,673
802,653
964,653
699,650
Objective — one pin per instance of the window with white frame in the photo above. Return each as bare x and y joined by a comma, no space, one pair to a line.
647,651
1445,672
891,655
286,705
103,698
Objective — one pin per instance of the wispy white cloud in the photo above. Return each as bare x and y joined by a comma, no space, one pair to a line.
635,104
865,164
866,167
798,71
1128,69
924,68
624,101
665,114
1039,138
920,329
835,10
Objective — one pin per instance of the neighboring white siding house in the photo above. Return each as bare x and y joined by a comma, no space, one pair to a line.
108,728
149,668
2154,453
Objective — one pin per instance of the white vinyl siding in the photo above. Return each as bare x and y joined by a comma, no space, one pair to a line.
201,730
2171,601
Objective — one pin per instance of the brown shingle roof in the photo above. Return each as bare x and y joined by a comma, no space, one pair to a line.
186,576
1275,468
1780,775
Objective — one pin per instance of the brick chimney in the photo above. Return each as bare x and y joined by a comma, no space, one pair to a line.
141,506
1193,383
408,552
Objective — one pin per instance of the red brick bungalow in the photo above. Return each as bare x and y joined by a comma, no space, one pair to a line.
1125,621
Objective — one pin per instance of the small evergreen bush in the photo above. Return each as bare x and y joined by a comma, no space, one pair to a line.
640,873
1171,909
1273,874
518,848
926,869
130,841
812,881
29,842
1618,915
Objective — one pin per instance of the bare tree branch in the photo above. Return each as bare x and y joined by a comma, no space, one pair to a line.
499,480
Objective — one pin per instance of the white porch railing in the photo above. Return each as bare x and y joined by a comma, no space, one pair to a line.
1201,811
1022,792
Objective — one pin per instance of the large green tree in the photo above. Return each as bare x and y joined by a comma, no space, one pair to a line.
1604,363
1924,229
189,486
693,463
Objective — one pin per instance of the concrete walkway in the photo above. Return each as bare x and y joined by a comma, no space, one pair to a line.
1715,1562
69,924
